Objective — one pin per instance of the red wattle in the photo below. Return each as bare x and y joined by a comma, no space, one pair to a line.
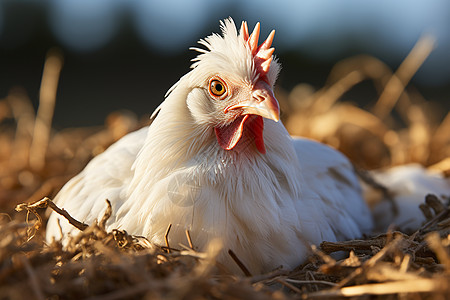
256,127
228,136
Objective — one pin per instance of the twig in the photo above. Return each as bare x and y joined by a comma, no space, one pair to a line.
433,201
106,216
58,222
166,237
188,236
310,282
430,223
403,286
326,258
370,263
378,241
288,285
327,97
186,251
239,263
268,276
46,202
382,253
47,99
396,85
404,266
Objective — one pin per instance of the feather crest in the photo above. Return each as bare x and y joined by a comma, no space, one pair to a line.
238,53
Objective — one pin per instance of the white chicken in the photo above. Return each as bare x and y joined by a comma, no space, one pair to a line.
217,161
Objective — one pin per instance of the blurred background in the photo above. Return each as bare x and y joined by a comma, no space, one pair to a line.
124,54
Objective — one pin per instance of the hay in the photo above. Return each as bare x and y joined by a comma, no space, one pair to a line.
114,265
97,264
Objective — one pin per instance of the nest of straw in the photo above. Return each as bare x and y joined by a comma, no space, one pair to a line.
36,160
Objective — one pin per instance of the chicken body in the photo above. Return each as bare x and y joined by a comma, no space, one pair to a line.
223,167
408,185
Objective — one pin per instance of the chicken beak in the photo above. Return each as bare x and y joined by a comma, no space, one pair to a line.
262,103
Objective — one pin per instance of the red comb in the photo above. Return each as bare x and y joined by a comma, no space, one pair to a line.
263,53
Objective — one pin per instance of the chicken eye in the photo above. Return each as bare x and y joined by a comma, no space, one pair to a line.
217,88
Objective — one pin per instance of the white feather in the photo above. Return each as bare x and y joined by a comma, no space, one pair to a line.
408,184
268,208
